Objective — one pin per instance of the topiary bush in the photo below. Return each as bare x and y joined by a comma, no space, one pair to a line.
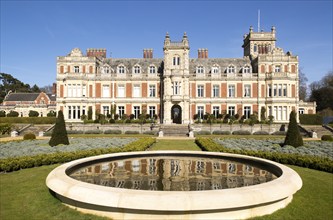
29,136
59,133
93,132
33,113
260,133
241,132
132,132
293,136
327,138
112,132
2,113
13,114
218,132
5,128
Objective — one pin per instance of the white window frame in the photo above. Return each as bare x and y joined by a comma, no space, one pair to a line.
233,93
152,69
216,91
231,69
152,111
277,69
215,70
200,91
216,111
246,69
137,69
176,60
76,69
247,111
152,90
121,91
121,69
231,110
106,91
176,87
136,111
200,70
136,91
121,111
247,90
200,111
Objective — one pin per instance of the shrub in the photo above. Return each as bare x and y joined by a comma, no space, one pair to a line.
241,132
327,138
150,132
261,133
29,136
112,121
293,136
203,132
93,132
218,132
33,113
310,119
74,132
51,114
59,134
2,113
5,128
29,120
112,132
279,133
13,114
132,132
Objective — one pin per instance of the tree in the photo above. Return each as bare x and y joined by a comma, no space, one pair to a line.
263,114
59,134
293,136
302,90
322,92
33,113
9,83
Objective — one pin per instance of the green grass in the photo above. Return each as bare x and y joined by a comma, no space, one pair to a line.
313,201
175,145
24,195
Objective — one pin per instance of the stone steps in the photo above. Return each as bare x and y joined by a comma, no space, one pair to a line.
175,130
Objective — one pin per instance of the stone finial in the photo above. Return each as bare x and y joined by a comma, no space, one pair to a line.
185,36
167,35
273,29
251,29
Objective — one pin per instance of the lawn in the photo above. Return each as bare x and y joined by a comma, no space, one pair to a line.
165,144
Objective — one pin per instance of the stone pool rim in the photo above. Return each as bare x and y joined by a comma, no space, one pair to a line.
271,192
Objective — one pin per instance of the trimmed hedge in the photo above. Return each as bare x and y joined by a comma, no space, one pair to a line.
203,132
29,120
17,163
313,162
260,133
132,132
29,136
112,132
150,132
218,132
93,132
73,132
327,138
241,132
279,133
311,119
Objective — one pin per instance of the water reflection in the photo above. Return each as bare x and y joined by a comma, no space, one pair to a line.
173,174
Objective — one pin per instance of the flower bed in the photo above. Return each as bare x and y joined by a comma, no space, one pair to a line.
35,147
315,148
17,163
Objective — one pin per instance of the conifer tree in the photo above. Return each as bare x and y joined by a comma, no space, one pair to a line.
293,136
59,134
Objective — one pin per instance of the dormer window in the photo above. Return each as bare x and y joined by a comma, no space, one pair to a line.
215,69
106,69
176,61
137,69
231,69
152,69
246,69
121,69
200,70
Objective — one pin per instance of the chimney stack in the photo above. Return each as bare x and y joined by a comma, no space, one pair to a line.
147,53
93,52
203,53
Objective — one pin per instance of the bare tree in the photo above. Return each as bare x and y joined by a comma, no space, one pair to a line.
302,85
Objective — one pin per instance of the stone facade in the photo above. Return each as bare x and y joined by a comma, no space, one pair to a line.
176,87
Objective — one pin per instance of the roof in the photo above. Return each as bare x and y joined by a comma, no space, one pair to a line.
21,97
52,97
223,63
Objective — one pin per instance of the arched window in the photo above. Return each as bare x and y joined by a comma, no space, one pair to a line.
231,69
246,69
121,69
152,69
215,69
200,70
137,69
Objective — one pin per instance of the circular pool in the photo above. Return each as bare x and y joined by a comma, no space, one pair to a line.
174,185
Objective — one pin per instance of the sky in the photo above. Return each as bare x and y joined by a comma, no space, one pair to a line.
34,33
